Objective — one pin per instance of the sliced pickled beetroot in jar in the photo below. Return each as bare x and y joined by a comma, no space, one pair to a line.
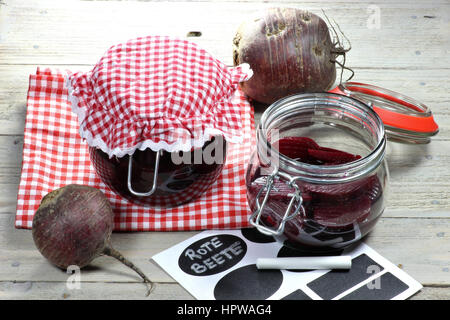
294,152
306,150
342,192
297,148
292,142
374,189
315,195
330,212
280,191
344,214
330,156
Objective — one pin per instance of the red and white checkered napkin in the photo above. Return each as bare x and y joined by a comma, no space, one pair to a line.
55,155
157,92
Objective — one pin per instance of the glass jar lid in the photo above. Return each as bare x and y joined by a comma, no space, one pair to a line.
405,119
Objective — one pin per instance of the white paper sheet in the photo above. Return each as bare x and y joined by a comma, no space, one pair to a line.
221,264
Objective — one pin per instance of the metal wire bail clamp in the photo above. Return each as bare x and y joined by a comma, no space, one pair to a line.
255,218
155,177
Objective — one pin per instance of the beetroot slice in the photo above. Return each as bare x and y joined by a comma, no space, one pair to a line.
333,206
280,191
339,192
303,142
295,152
344,214
332,157
296,147
306,150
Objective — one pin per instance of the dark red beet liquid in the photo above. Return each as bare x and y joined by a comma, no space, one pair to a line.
333,215
177,183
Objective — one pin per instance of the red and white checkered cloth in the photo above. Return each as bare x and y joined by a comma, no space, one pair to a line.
55,155
157,92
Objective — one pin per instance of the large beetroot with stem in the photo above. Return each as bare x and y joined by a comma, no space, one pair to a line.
290,51
73,226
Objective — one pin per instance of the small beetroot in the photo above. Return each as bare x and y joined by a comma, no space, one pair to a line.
73,226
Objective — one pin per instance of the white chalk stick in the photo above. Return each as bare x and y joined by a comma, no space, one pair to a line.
305,263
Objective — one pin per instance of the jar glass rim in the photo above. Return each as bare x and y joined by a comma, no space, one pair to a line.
316,173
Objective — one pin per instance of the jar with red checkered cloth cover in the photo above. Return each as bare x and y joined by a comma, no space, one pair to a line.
157,114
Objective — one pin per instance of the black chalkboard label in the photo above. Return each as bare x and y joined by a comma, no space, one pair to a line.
335,282
385,287
248,283
212,255
253,235
297,295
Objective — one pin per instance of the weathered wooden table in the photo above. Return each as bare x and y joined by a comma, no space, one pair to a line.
400,45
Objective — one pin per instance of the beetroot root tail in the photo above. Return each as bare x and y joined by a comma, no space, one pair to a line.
110,251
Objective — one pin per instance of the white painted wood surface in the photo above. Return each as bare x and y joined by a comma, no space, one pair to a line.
409,53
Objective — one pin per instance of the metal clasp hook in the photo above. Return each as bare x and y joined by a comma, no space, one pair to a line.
155,177
255,218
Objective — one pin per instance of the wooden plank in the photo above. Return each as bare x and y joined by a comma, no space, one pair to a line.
409,54
426,86
316,2
95,291
111,291
91,27
419,179
11,148
419,245
430,293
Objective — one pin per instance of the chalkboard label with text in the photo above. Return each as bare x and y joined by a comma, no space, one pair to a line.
212,255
